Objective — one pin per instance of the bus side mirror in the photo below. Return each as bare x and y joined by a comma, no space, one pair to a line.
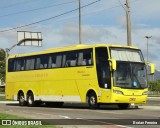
150,68
114,64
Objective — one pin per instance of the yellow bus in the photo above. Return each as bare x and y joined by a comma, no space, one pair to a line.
94,74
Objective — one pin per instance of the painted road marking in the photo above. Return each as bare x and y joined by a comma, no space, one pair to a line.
110,112
66,117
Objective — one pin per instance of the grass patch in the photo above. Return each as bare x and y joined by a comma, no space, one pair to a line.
2,92
2,98
153,95
4,116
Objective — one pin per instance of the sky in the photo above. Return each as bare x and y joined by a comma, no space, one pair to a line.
102,22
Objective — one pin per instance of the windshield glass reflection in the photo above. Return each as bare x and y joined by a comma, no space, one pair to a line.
130,75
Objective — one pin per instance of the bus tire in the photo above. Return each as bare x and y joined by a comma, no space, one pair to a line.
92,101
21,99
58,104
30,99
54,104
49,104
123,105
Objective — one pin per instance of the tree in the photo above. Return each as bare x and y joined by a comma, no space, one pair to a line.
154,85
2,65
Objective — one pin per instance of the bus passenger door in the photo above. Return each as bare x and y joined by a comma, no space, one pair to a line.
103,74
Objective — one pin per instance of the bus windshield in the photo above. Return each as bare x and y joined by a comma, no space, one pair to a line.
130,75
124,54
131,70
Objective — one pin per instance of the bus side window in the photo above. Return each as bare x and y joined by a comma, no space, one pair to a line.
71,59
85,57
80,59
58,60
11,65
30,62
52,61
42,62
22,64
18,64
37,62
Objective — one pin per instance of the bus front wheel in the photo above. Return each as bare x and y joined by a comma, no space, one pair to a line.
30,100
92,101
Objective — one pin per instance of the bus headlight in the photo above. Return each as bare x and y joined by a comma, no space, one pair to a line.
118,92
145,93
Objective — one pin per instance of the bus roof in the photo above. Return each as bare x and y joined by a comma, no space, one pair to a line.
75,47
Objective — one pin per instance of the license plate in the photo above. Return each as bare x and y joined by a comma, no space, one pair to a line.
132,99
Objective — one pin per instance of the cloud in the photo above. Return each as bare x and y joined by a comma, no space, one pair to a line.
7,39
90,34
146,9
106,26
157,40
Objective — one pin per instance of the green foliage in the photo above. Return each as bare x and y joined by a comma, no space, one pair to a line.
2,65
154,85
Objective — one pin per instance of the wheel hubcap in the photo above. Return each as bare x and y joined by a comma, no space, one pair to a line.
21,99
92,100
30,100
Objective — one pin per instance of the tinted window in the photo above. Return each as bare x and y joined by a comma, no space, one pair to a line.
52,61
58,60
20,64
42,62
11,65
70,59
103,70
55,60
85,57
30,62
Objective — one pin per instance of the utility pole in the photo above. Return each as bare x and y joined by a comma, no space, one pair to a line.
80,30
147,37
129,43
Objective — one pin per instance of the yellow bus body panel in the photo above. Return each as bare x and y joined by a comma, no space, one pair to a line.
67,84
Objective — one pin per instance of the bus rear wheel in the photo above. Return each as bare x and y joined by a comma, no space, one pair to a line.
21,99
123,105
30,99
92,101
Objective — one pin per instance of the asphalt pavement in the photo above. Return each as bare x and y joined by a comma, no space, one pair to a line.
72,114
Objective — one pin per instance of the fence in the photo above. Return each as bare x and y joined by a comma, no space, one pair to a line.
154,92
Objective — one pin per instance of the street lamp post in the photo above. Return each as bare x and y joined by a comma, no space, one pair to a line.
147,37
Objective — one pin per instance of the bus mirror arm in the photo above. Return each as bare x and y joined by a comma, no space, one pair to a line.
113,63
